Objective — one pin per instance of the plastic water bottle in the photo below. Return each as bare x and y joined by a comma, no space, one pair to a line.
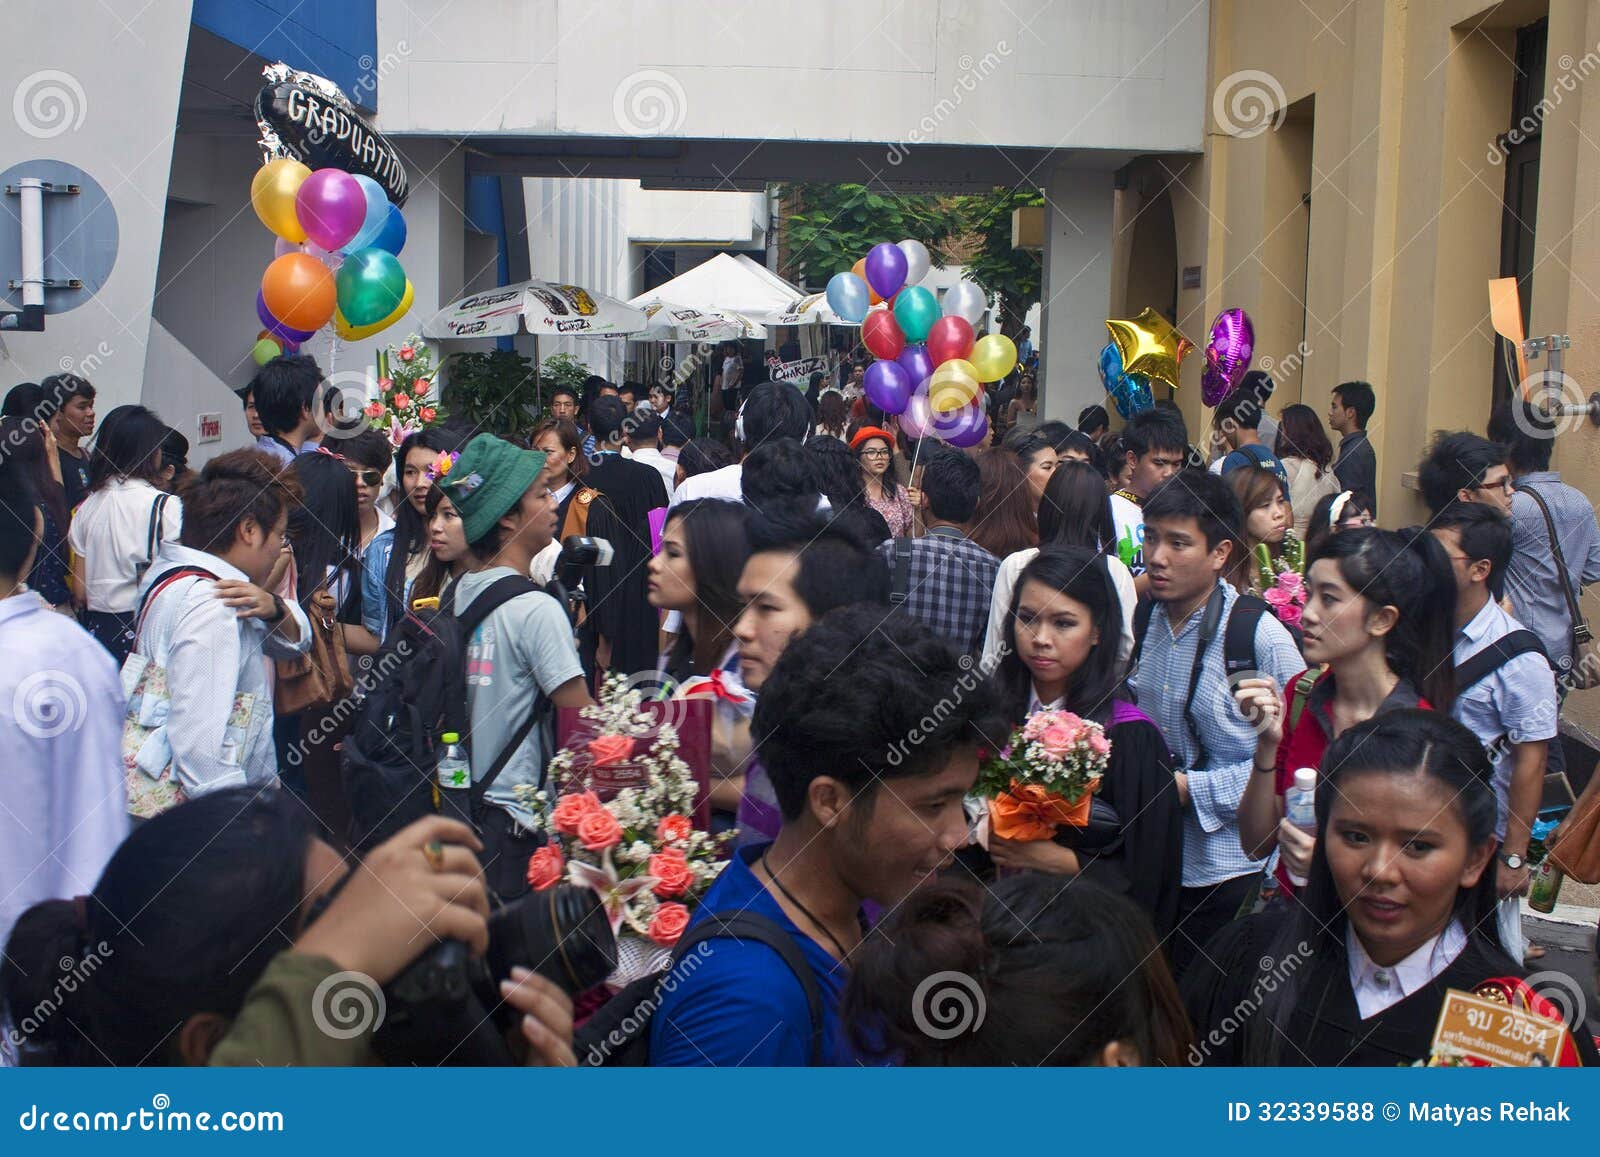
1300,808
453,775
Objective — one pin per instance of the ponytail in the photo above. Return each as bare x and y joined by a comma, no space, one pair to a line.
43,985
1407,570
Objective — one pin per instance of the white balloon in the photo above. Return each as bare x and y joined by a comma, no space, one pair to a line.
965,299
917,260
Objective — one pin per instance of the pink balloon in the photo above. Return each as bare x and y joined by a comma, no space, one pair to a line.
331,207
950,337
917,417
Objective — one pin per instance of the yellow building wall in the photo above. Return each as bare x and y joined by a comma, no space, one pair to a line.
1387,114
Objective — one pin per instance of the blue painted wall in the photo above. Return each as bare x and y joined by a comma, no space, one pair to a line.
337,39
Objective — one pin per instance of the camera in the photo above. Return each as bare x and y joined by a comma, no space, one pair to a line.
446,1008
578,554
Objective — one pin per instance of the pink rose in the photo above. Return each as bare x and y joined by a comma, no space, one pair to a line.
1291,583
374,410
1289,615
1099,744
428,413
1277,597
599,830
1057,741
673,829
668,924
407,353
672,869
402,401
545,868
386,384
420,387
570,810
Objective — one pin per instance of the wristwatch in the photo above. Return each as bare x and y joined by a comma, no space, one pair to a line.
279,610
1512,860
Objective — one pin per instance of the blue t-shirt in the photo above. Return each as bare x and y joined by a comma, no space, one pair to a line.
740,1004
1257,454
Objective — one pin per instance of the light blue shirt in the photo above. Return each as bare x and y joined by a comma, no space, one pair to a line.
63,806
1516,701
1531,581
1211,851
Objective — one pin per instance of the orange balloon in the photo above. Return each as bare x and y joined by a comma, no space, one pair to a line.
860,270
299,291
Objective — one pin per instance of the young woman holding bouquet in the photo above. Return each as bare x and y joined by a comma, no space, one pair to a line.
1060,654
1271,547
1398,909
1379,622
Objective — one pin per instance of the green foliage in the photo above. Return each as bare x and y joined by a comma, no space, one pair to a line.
494,391
832,226
1014,274
562,370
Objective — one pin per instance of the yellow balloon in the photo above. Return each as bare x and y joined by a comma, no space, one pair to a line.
993,356
348,332
272,193
1150,346
953,385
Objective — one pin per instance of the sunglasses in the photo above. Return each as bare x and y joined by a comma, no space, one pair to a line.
372,478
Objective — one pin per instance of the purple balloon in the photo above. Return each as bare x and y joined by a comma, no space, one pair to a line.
1232,341
886,269
970,430
331,207
888,386
917,363
275,327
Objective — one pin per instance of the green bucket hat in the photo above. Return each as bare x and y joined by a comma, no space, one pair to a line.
488,479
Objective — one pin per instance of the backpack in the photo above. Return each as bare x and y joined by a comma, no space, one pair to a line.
419,692
1238,648
1484,662
618,1035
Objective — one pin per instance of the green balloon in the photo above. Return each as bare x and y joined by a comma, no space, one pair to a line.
265,350
370,285
916,309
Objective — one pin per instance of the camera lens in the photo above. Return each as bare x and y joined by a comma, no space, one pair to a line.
562,933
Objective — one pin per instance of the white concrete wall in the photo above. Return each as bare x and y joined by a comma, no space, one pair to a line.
1070,74
703,216
1077,288
578,233
118,99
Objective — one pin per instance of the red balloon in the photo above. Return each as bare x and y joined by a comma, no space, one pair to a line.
883,336
950,337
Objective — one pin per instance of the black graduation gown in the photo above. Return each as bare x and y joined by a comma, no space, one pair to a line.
1144,858
1224,988
618,607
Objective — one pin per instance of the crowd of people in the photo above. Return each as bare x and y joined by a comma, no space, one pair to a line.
873,615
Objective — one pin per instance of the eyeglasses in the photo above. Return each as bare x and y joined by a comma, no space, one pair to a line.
1505,485
878,453
371,478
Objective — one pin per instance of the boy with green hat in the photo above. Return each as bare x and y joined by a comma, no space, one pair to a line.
524,647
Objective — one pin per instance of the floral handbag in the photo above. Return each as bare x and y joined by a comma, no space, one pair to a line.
146,751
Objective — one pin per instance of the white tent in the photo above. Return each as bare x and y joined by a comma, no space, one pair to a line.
736,284
668,321
538,307
813,306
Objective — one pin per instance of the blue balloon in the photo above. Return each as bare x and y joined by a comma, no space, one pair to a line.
1111,367
377,214
848,297
391,238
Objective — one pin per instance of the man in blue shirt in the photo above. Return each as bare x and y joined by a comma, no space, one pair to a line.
285,393
1192,526
1238,416
871,744
1512,709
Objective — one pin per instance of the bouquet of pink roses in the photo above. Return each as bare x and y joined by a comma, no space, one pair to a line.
1287,598
1044,776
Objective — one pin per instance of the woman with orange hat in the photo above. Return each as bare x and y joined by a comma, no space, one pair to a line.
874,447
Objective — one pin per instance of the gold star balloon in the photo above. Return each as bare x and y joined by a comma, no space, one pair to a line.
1150,346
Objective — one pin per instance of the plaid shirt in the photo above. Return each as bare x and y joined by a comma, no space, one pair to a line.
950,585
1211,851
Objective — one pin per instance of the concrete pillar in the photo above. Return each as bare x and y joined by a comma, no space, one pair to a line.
1076,289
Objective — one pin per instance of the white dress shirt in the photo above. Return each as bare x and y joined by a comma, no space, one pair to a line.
727,483
211,655
1377,987
668,469
63,806
111,534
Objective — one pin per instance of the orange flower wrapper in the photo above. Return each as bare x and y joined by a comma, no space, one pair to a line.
1029,812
